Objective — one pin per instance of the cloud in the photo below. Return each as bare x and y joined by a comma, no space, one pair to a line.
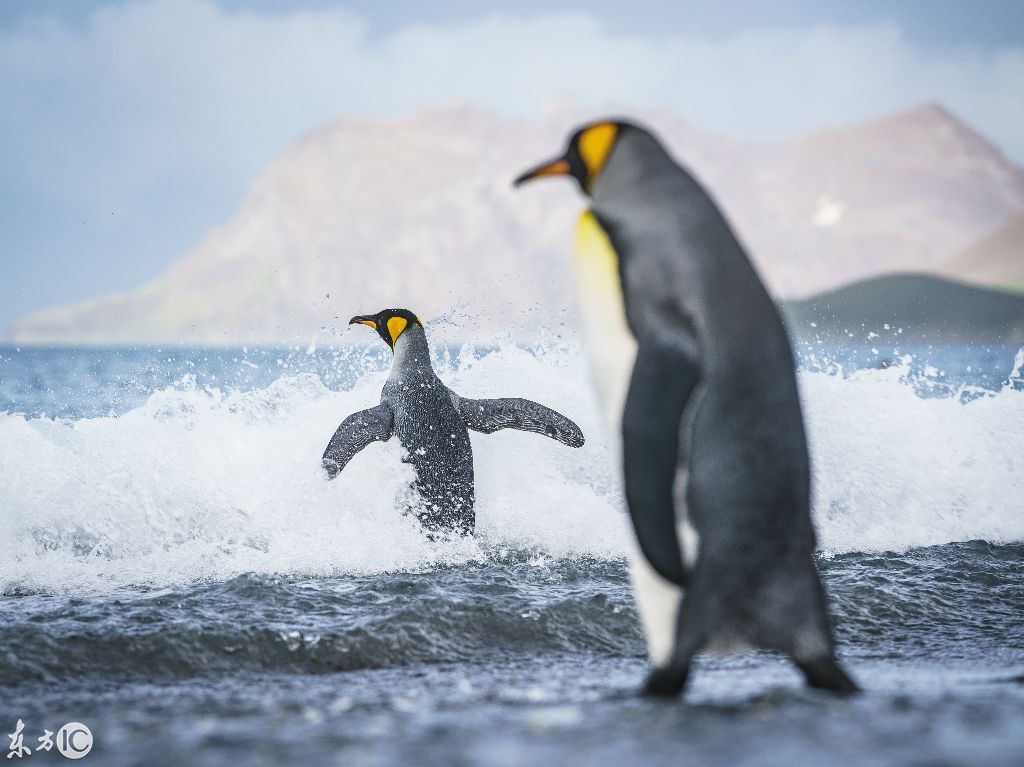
162,112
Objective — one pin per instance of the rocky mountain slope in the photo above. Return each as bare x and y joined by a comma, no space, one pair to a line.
419,212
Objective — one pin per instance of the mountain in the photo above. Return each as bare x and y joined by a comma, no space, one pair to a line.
996,260
419,212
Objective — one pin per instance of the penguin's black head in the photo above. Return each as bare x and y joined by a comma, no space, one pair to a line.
586,155
389,323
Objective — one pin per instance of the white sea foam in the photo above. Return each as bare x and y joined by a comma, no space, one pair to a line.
893,470
206,484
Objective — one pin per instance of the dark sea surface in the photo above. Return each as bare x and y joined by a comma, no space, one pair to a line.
176,573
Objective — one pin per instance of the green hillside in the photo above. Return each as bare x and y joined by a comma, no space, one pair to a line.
918,308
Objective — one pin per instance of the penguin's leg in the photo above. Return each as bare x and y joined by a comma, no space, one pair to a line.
799,626
810,647
657,601
356,432
490,415
690,636
825,673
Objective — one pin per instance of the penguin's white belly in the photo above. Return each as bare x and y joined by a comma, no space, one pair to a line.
611,352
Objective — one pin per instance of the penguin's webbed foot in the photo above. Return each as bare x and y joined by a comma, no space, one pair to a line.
665,682
826,674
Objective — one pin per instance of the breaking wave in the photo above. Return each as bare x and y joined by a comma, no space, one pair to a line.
205,484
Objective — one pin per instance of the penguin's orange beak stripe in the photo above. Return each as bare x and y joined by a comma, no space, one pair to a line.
559,167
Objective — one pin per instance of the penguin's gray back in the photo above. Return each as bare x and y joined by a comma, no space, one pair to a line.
433,435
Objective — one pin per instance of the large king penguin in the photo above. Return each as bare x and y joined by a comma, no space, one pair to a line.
693,364
431,422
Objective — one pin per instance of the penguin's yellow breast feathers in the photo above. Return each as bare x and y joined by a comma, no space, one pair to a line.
610,346
596,262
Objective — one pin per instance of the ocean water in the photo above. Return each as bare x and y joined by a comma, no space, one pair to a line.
176,574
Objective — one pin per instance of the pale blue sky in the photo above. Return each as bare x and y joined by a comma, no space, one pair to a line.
130,127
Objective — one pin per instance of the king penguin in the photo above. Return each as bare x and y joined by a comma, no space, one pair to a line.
694,369
431,422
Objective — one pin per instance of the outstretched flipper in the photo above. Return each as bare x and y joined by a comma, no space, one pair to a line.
663,381
356,432
490,415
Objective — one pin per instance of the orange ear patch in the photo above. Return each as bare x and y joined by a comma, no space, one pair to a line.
595,144
396,325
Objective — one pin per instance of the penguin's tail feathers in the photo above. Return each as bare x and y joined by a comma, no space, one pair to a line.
825,673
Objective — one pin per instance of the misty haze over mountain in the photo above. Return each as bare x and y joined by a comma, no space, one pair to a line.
419,212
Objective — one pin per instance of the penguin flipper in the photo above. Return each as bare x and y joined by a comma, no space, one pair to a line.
663,380
490,415
356,432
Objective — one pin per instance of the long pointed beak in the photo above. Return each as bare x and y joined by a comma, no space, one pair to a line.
363,319
557,167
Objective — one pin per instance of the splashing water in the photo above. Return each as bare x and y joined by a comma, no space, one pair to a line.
204,482
894,470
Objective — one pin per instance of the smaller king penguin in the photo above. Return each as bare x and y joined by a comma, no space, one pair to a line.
431,422
696,374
